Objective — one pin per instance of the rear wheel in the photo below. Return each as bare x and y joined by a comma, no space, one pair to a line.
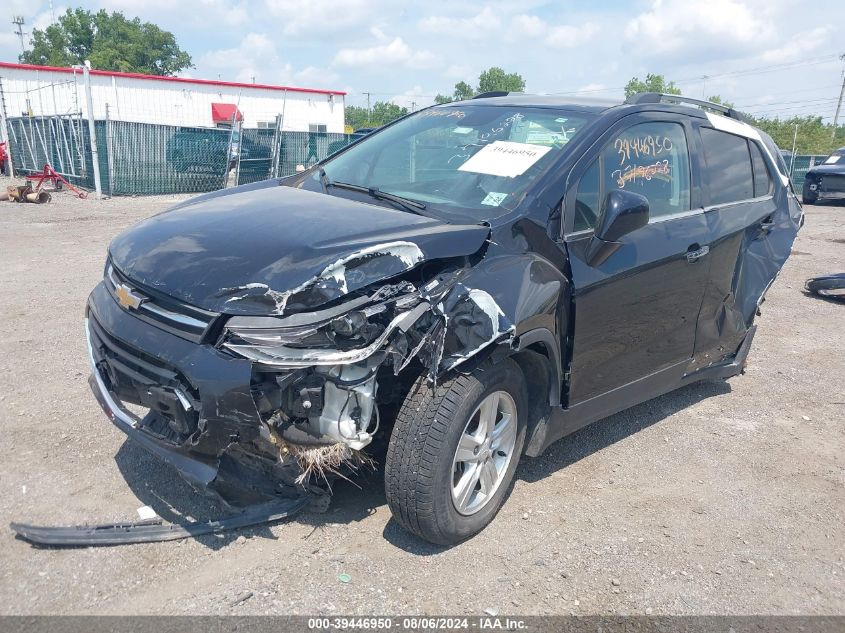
453,452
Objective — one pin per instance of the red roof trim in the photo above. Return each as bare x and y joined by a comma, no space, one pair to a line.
204,82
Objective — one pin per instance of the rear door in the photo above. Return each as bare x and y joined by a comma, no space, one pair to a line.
635,313
751,233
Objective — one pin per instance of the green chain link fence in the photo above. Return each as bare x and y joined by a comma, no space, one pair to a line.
159,159
134,158
294,148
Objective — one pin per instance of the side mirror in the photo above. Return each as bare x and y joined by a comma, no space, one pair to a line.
623,212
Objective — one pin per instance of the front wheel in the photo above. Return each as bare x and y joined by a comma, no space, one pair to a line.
453,452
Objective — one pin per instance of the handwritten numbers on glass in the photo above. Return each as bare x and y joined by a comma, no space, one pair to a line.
652,146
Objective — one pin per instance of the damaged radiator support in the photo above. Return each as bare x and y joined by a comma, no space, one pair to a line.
321,406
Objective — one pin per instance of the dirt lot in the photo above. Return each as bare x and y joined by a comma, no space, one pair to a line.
720,498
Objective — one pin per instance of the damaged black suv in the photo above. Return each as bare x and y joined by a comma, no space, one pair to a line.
456,290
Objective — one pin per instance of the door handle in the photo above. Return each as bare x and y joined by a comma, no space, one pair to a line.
766,226
696,252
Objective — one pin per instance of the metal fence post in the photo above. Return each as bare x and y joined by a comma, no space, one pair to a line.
109,152
92,133
274,156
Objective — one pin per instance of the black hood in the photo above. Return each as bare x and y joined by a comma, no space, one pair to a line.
824,170
274,249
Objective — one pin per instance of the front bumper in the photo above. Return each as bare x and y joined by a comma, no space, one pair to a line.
830,187
166,372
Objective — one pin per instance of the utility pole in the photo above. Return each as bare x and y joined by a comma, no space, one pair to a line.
704,79
18,21
368,108
413,106
839,103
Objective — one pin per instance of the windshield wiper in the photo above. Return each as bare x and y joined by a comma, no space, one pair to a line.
374,192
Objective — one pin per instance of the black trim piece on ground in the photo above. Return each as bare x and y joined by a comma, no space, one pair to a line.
155,530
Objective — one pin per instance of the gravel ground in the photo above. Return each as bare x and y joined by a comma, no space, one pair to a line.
720,498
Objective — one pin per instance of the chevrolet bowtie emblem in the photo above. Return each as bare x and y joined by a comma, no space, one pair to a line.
127,298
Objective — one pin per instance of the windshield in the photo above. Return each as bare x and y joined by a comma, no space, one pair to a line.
466,161
835,159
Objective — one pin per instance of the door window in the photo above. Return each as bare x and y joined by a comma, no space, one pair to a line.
728,171
762,179
650,159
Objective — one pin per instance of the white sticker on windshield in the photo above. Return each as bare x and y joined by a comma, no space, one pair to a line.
504,158
462,130
494,198
832,159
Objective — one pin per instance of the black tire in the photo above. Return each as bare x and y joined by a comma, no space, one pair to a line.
809,198
419,465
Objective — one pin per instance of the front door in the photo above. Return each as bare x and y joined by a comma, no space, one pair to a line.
635,313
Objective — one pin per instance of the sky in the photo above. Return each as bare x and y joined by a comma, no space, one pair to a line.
769,57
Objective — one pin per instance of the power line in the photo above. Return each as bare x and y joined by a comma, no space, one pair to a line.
735,73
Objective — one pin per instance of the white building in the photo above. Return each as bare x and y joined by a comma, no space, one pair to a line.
46,90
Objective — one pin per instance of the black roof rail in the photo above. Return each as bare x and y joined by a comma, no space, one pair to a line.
494,93
658,97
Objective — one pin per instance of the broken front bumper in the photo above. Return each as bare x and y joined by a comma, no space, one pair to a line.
205,391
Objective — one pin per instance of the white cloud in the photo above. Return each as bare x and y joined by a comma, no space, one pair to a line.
174,15
535,29
567,36
529,26
317,77
475,26
310,17
256,57
391,53
799,45
458,71
673,25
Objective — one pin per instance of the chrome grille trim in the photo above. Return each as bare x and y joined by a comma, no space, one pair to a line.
189,326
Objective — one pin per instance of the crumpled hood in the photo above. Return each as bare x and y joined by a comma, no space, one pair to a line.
279,249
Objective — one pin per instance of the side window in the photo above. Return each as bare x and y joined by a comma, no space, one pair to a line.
588,198
650,159
762,179
729,172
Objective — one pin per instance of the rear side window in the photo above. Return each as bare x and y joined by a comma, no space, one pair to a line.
729,172
650,159
762,179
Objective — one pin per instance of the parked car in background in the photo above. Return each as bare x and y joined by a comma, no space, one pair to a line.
466,286
826,180
195,149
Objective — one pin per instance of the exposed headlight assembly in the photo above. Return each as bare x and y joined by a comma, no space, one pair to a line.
265,340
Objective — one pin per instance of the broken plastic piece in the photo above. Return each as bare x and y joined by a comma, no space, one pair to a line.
155,530
146,513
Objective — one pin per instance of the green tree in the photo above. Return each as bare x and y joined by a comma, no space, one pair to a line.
495,79
813,136
109,41
383,112
720,101
652,83
462,92
491,80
